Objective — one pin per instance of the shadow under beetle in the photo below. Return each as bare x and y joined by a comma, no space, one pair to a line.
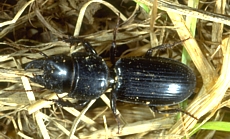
146,80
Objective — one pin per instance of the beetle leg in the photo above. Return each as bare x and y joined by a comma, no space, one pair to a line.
65,103
81,103
113,105
155,109
113,53
61,102
88,47
163,47
178,110
114,45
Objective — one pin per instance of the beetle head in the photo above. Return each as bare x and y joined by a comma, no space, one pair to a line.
57,72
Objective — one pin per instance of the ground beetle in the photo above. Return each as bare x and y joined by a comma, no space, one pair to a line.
147,80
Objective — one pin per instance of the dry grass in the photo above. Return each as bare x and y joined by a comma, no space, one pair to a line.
42,25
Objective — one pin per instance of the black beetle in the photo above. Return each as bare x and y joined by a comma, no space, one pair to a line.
147,80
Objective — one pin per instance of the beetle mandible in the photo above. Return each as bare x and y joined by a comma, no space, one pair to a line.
146,80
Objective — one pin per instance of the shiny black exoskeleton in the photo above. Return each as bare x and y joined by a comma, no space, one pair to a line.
169,83
147,80
84,75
